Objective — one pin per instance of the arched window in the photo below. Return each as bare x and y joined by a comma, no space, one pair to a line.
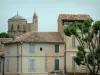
11,26
24,28
18,27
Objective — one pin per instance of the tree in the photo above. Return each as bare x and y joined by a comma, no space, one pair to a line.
86,33
4,35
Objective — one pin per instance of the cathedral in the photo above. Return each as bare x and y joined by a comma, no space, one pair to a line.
17,25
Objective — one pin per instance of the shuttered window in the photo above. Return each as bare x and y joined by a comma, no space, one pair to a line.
31,65
32,49
7,65
56,64
56,48
74,67
73,41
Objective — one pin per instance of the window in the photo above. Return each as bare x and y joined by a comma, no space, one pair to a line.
67,23
11,26
7,66
18,27
73,41
32,48
56,48
40,48
56,64
73,65
31,65
8,51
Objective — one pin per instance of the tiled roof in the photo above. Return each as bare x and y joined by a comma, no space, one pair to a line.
39,37
17,17
74,16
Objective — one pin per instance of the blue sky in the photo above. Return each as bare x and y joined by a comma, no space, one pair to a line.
47,11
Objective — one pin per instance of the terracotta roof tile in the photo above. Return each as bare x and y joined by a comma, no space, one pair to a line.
74,16
45,37
17,17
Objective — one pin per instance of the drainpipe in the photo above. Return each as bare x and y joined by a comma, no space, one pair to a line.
21,56
17,58
65,67
46,62
65,59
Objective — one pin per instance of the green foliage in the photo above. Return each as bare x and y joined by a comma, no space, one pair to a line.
87,33
4,35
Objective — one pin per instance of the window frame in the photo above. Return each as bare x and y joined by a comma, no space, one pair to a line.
73,42
31,63
56,65
32,48
56,49
7,65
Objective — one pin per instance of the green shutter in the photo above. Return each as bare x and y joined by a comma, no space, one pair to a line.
56,48
73,64
73,41
56,64
86,68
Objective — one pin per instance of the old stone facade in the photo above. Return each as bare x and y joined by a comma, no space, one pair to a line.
2,40
17,25
70,42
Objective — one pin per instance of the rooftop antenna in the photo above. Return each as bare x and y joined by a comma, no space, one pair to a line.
17,12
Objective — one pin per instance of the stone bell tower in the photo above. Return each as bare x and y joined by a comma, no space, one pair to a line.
16,25
35,22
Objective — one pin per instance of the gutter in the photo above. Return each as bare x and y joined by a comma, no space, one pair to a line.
21,56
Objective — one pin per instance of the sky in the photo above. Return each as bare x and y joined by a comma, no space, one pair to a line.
47,11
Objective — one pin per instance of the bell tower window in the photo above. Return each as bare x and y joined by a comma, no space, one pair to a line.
18,27
11,27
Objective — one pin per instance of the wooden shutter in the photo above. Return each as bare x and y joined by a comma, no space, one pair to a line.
31,65
56,48
32,48
7,64
56,64
73,65
73,41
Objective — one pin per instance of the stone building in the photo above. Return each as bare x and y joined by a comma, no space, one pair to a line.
17,25
50,47
34,53
71,42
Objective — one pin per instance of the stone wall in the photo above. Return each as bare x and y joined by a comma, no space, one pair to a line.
2,40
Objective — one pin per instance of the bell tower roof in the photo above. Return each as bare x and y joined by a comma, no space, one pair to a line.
35,15
17,17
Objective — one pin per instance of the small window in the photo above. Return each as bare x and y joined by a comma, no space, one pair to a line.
35,21
73,41
7,65
56,48
32,48
18,27
56,64
31,65
67,23
40,48
11,26
73,64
